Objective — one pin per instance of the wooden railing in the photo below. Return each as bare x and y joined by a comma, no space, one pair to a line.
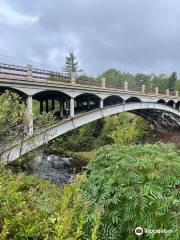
30,73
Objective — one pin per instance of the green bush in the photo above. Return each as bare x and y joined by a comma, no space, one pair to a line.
131,129
12,116
135,186
33,208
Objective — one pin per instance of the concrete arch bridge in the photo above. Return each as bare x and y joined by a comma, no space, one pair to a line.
77,101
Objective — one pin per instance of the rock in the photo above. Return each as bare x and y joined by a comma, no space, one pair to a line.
51,158
55,168
58,164
67,161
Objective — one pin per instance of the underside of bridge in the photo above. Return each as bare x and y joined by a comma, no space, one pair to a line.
86,102
59,103
19,93
112,100
159,118
157,114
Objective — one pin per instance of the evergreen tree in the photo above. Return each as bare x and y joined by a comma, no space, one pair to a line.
71,65
172,81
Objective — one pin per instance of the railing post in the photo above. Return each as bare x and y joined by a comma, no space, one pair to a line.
30,115
143,88
103,82
29,72
72,107
156,90
126,86
73,79
177,93
167,92
101,103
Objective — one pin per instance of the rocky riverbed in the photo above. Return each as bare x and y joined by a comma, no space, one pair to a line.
56,168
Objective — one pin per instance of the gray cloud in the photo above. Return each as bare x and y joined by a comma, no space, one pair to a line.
134,36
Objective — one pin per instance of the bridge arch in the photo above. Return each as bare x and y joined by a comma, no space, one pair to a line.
178,105
164,113
113,100
161,101
53,101
171,103
50,94
22,94
133,100
86,101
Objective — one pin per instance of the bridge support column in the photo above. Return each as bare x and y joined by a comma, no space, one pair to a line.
53,105
30,115
61,102
41,106
167,92
72,107
88,104
101,103
47,106
177,93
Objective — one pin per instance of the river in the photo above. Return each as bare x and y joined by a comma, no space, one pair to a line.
58,169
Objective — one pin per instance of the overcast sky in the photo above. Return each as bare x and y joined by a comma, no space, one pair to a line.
130,35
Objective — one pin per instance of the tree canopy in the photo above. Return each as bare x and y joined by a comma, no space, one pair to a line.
71,64
172,81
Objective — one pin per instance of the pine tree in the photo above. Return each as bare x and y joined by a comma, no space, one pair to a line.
71,65
172,81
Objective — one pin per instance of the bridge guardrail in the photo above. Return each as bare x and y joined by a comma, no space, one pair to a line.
30,73
84,80
114,84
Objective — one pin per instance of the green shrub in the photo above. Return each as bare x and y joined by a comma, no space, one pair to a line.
131,129
135,186
33,208
12,116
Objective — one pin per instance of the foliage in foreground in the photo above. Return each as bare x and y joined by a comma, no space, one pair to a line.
13,120
12,116
32,208
135,186
126,187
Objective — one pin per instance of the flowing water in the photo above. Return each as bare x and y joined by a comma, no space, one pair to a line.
56,168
